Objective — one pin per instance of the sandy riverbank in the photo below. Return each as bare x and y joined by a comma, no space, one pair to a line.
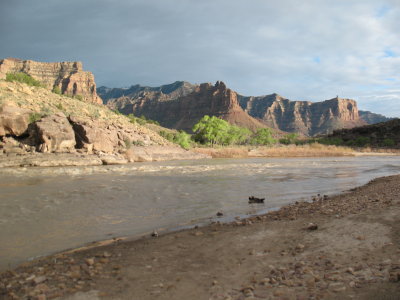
354,254
309,150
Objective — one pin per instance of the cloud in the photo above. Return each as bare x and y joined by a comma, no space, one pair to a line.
313,50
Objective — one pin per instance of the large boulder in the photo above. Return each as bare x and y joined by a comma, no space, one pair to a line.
13,119
53,133
93,136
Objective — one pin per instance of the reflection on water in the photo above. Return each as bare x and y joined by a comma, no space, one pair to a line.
43,210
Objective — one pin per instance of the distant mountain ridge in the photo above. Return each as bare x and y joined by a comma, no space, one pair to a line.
173,90
373,118
181,104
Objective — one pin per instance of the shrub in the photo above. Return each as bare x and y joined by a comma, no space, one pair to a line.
263,136
360,141
56,90
59,106
181,138
138,143
24,78
389,143
79,97
128,143
331,141
33,117
290,138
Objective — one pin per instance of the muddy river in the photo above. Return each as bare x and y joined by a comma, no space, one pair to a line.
45,210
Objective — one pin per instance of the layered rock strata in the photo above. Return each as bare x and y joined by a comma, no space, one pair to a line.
68,77
180,105
183,111
308,118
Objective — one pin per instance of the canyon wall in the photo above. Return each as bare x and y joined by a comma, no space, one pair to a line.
181,110
308,118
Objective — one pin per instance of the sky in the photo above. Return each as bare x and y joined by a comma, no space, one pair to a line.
303,50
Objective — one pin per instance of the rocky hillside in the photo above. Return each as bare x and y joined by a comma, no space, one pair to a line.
182,107
385,134
308,118
68,77
372,118
35,121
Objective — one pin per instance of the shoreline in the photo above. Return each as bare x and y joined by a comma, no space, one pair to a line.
155,154
353,254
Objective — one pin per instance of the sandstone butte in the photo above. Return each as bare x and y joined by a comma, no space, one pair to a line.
308,118
69,77
181,105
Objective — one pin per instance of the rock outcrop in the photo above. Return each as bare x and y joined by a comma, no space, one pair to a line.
14,120
68,77
183,110
52,134
308,118
41,134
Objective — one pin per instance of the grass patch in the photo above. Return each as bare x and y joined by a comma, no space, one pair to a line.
33,117
56,90
24,78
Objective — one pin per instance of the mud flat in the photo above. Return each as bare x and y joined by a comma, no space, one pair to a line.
341,247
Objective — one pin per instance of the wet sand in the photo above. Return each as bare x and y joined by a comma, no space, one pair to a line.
353,252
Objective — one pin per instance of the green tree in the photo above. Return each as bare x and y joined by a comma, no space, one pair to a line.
182,139
289,139
263,136
211,130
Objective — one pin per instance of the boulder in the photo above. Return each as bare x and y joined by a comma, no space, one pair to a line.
13,119
52,134
92,135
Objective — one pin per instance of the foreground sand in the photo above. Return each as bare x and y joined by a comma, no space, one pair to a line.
353,254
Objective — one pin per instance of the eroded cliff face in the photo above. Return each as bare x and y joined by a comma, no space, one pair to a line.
182,111
308,118
69,77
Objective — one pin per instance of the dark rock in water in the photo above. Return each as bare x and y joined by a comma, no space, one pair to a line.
219,214
253,199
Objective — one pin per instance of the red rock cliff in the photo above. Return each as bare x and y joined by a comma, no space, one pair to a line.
185,111
308,118
69,77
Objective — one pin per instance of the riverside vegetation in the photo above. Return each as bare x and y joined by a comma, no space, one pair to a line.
218,138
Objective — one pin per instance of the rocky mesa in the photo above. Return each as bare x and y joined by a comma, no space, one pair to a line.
184,105
305,117
181,104
68,77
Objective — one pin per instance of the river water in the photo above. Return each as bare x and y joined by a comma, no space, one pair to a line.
45,210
